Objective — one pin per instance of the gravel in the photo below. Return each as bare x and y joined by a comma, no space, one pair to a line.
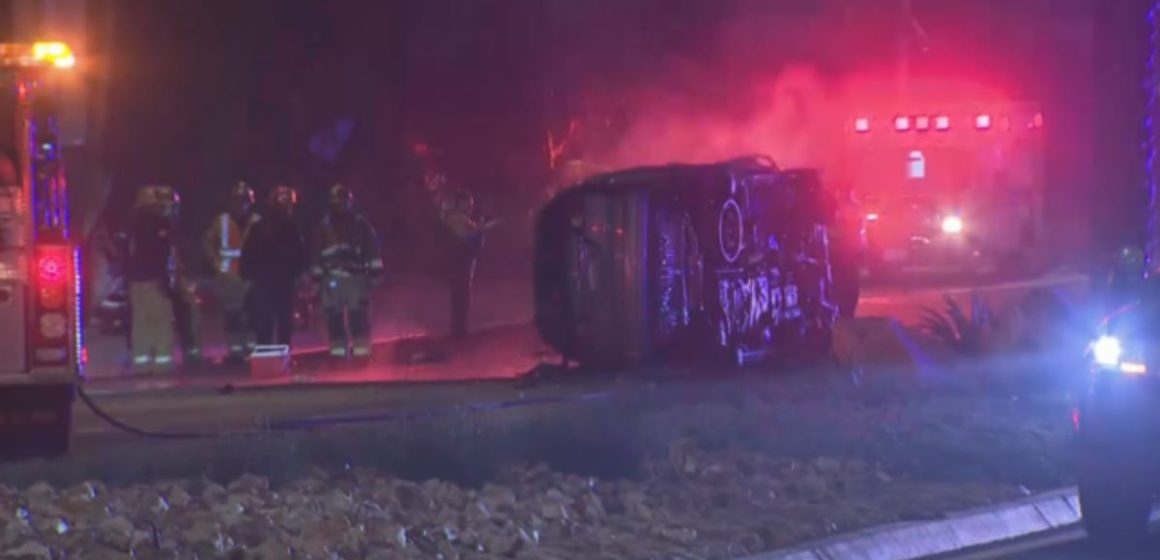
701,470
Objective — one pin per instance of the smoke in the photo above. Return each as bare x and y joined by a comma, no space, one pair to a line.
793,117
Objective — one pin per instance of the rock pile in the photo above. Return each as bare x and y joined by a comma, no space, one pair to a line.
687,504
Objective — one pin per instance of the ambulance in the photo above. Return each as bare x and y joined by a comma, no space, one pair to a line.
952,188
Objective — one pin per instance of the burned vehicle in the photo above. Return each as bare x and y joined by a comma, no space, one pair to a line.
686,263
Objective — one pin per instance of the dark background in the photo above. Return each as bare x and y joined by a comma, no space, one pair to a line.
200,94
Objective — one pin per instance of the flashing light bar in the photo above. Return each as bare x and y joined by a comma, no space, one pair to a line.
942,123
37,55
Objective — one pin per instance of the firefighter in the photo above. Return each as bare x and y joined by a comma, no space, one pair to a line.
348,264
847,249
151,275
466,233
272,261
185,296
223,243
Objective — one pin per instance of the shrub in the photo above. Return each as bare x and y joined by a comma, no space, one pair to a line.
970,334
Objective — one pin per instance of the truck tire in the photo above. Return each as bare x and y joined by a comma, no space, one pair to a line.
1115,501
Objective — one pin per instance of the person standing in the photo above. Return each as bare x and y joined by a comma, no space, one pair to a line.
151,273
348,263
223,244
273,259
466,234
847,240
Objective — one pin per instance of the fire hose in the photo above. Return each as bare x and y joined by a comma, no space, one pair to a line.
323,422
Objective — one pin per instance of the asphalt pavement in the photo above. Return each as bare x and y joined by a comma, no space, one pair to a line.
405,373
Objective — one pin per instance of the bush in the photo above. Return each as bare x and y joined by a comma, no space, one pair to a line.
969,334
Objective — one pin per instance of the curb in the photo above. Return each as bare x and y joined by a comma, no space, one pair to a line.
1049,511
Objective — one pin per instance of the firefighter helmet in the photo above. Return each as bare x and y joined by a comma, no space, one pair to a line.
341,198
162,198
168,201
282,198
242,192
146,196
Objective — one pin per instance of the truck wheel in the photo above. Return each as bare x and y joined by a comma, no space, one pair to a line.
1116,505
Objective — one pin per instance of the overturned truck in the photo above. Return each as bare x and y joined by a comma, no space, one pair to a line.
686,263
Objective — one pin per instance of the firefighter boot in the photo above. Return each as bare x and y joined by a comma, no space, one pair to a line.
237,336
360,332
336,330
191,335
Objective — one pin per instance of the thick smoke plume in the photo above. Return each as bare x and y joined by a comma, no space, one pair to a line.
795,118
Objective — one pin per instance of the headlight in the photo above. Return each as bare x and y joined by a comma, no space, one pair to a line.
1106,351
952,225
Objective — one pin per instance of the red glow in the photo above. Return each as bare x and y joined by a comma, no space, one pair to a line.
862,125
942,122
983,122
901,124
922,123
52,266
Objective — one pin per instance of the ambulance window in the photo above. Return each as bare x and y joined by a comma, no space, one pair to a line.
915,165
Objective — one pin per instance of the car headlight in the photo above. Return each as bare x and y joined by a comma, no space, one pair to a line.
1107,350
952,225
1108,353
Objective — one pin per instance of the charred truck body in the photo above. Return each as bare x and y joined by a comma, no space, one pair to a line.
684,263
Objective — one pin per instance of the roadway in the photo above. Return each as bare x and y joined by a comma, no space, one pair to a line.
489,366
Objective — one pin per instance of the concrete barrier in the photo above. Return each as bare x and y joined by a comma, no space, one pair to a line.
1041,513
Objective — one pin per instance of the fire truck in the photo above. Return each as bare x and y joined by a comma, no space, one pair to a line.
42,349
950,189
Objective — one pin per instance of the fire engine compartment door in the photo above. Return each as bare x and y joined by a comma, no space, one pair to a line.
13,283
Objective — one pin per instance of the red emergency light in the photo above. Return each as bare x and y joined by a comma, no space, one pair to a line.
983,122
52,266
862,124
922,123
942,122
902,124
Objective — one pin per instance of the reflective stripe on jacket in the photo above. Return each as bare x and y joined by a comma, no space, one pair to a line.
224,241
346,246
